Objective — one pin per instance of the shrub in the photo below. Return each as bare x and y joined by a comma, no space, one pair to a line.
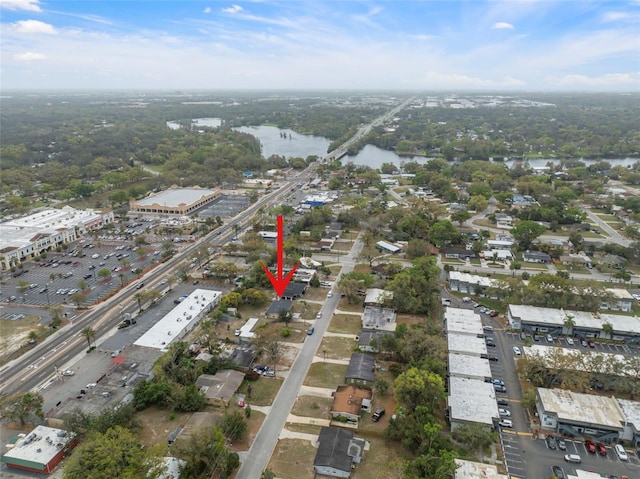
285,332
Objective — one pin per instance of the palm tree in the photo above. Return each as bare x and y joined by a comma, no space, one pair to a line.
607,328
140,297
89,335
569,323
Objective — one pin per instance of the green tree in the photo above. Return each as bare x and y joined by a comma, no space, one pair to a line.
233,425
526,231
417,387
443,232
115,453
25,405
460,216
78,299
89,334
205,453
474,436
285,316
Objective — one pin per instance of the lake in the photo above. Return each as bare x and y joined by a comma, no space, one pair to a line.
294,144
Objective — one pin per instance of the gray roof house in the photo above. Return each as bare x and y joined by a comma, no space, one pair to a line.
369,339
337,452
536,257
361,370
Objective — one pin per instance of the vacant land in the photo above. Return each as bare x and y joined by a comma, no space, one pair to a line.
325,375
345,324
312,406
336,347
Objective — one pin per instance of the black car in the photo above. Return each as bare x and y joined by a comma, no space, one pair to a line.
503,402
558,472
378,414
493,358
551,442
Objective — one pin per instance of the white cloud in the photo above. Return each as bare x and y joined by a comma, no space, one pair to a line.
34,26
207,10
29,57
31,5
233,9
607,80
502,26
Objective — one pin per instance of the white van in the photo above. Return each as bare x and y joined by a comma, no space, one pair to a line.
505,423
622,454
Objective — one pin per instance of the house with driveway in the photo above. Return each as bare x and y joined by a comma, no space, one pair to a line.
338,452
349,402
361,370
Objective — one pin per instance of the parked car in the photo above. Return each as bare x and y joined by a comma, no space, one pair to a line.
558,472
591,344
493,313
516,351
622,454
310,330
499,382
504,412
549,338
601,448
329,294
503,402
590,446
505,423
570,341
493,358
562,445
378,414
574,458
551,442
583,343
488,329
499,389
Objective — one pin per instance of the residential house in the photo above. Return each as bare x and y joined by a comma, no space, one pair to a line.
458,253
470,283
349,402
338,452
536,257
576,259
369,340
497,255
294,290
387,247
361,370
377,297
274,309
619,300
219,388
499,244
379,318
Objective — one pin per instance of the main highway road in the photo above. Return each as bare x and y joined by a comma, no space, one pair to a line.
36,367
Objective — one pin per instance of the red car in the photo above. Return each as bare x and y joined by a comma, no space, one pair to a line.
591,447
602,450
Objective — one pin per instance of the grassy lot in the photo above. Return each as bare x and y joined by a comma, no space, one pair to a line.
342,246
476,262
362,268
454,261
293,459
384,459
608,218
304,428
336,348
536,266
157,423
345,323
572,268
314,294
312,406
410,319
335,271
14,334
324,375
344,305
263,391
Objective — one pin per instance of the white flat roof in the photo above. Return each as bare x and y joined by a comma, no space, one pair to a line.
582,408
472,400
183,316
476,470
41,445
466,344
620,293
582,319
174,197
464,365
472,279
245,329
463,321
19,232
631,411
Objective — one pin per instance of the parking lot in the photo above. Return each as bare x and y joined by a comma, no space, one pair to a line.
61,275
225,206
596,345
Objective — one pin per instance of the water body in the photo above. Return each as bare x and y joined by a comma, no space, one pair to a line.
285,142
288,143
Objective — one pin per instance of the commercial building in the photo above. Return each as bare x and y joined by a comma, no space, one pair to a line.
174,202
180,320
460,343
24,238
464,321
471,401
580,415
39,451
469,367
581,324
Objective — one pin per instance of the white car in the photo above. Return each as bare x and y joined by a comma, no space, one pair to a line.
570,341
516,351
68,372
164,281
504,412
329,294
506,423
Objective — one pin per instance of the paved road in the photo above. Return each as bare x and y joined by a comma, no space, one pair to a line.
265,441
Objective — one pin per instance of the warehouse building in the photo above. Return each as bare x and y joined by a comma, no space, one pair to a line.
39,451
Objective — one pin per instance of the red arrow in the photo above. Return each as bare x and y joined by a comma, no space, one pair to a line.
280,283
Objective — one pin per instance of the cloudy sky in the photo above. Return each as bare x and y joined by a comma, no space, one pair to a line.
307,44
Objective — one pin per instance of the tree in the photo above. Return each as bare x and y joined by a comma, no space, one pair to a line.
57,312
89,334
285,316
104,273
233,426
78,299
205,453
474,436
25,405
381,386
268,474
115,453
526,231
460,216
33,335
417,387
443,232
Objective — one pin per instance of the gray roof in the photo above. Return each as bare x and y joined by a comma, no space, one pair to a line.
176,196
333,448
366,335
279,305
537,254
361,366
294,289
